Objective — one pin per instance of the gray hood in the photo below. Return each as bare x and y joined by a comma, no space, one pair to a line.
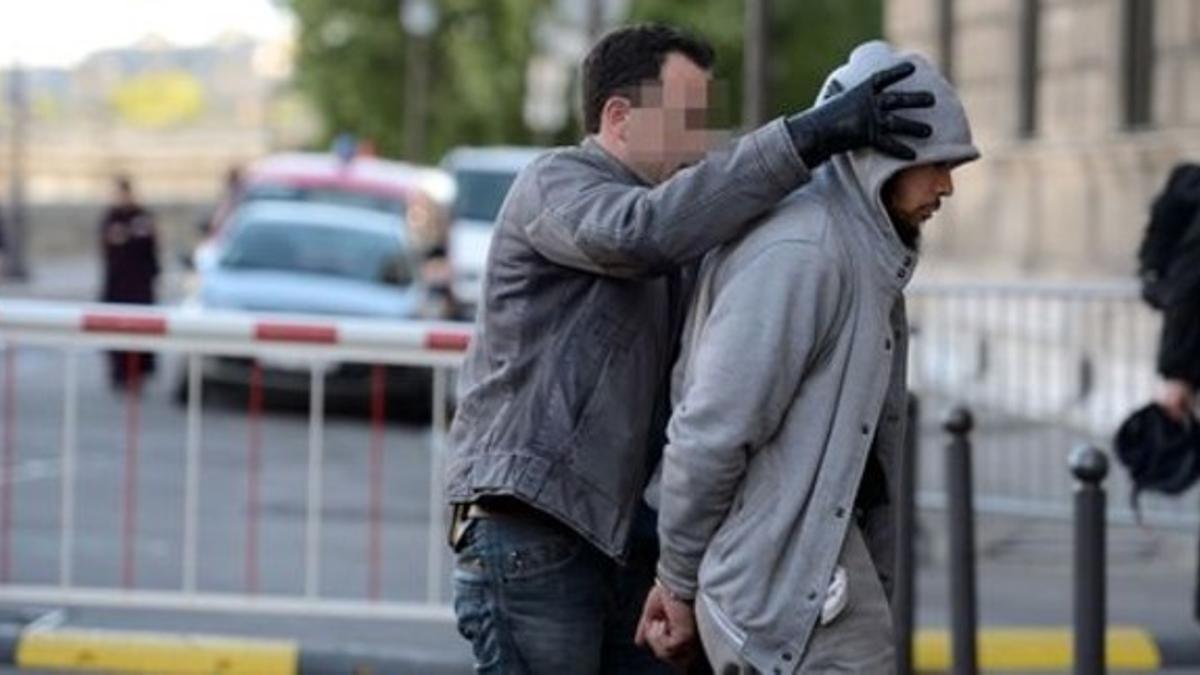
861,174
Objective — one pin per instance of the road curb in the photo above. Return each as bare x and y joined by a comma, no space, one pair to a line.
1019,649
1050,649
109,651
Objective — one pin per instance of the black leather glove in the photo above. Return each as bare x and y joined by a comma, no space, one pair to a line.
861,117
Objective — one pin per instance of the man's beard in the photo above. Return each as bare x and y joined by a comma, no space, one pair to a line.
909,234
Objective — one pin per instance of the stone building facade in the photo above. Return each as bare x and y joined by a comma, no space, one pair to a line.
1081,108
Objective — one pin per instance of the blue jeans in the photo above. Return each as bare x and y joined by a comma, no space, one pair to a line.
534,598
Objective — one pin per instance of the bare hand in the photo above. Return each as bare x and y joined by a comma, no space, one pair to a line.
1177,398
668,627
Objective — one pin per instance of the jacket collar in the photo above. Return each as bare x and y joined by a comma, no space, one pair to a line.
593,147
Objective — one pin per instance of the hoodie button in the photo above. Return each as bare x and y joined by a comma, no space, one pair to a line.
866,429
887,344
839,513
908,261
900,274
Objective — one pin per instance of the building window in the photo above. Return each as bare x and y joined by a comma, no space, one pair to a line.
1027,68
1137,63
945,22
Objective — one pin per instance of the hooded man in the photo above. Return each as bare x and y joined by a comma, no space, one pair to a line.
789,396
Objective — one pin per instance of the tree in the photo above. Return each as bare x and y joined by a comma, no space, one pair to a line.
351,63
808,39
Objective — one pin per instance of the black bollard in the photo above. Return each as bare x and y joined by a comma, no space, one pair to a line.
964,617
1090,466
904,607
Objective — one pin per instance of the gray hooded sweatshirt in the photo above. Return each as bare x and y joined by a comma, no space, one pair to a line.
792,372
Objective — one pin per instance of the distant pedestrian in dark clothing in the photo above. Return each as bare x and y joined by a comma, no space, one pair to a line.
129,249
1179,364
1179,357
1169,267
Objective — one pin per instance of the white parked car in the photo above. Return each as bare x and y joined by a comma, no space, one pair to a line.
482,177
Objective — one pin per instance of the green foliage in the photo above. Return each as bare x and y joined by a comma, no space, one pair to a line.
811,38
808,39
351,61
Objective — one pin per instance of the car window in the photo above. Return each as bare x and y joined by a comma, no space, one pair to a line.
324,196
481,193
318,249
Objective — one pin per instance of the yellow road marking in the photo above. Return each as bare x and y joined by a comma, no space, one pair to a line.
1025,649
131,652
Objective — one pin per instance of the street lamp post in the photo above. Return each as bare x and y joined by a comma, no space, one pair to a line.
14,258
754,97
595,20
419,19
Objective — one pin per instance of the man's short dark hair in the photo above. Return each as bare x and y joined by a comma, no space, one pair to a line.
628,57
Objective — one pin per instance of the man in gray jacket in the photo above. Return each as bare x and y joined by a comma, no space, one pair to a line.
563,393
775,507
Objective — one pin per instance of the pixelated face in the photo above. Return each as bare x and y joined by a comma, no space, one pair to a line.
913,195
667,127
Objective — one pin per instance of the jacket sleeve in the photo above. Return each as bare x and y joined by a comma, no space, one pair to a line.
1179,345
606,227
767,324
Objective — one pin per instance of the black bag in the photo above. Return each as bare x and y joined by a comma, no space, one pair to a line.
1169,255
1160,454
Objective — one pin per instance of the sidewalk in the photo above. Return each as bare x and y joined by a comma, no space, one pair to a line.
1025,575
1025,586
77,278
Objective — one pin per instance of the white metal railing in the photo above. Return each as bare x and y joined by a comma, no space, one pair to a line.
71,328
1044,366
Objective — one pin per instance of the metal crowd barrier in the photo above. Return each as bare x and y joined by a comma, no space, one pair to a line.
313,342
1043,366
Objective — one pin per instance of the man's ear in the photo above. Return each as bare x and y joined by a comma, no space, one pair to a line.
615,115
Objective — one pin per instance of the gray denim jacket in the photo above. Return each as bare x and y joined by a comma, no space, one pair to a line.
562,398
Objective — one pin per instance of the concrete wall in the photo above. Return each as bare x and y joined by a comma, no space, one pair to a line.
69,173
1072,199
